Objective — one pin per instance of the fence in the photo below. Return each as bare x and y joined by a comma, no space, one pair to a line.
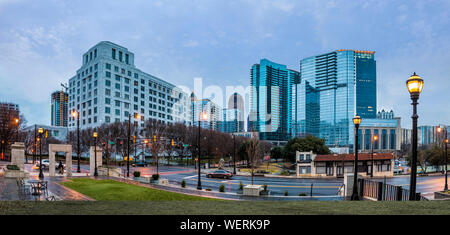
384,192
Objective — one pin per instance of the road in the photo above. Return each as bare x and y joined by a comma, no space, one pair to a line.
426,185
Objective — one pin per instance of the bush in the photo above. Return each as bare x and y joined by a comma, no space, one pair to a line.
208,189
265,187
137,174
155,177
222,188
12,167
302,194
285,172
286,193
183,183
241,186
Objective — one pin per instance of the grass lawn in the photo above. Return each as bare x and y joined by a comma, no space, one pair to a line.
110,190
224,208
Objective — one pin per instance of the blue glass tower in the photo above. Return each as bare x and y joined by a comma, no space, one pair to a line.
333,88
271,100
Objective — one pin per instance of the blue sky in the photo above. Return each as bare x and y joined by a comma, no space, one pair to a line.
41,43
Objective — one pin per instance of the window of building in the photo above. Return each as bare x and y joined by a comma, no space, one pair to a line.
107,110
113,53
107,119
126,58
108,74
107,101
108,66
120,56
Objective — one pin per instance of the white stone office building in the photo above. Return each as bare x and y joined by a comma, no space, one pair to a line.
108,87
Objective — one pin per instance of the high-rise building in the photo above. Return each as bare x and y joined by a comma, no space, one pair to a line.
109,88
233,121
59,110
334,87
271,100
211,110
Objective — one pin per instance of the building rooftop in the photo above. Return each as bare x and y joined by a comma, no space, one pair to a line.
351,157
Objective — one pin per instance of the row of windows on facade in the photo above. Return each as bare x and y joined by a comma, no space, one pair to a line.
88,57
322,168
113,56
385,144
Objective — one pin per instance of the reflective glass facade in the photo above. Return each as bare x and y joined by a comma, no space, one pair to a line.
271,100
333,88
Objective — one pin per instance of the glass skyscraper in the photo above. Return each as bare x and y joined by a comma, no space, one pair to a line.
333,88
59,110
271,100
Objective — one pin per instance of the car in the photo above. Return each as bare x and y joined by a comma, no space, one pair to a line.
46,164
141,164
219,174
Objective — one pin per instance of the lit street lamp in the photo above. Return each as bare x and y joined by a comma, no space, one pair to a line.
356,122
202,116
375,138
95,135
415,86
77,115
41,174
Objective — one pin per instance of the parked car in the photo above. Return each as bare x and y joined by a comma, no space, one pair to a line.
219,174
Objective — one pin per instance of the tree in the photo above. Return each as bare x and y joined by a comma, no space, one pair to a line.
306,144
156,130
253,152
276,153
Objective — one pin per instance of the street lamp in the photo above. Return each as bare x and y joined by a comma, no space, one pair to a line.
375,138
415,86
234,154
356,122
202,116
128,142
439,129
95,135
77,115
41,174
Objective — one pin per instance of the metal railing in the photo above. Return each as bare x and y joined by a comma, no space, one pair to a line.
381,191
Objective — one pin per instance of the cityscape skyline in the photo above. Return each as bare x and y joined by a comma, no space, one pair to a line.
53,51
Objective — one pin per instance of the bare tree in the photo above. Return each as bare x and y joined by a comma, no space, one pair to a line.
156,130
253,151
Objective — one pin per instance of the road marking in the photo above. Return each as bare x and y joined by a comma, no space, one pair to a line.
188,177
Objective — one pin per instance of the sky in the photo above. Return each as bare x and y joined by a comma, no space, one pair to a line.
41,44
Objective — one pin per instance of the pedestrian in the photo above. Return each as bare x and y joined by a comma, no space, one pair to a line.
61,168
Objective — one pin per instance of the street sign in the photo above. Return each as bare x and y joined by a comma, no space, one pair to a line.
111,142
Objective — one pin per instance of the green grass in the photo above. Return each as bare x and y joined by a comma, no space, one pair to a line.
224,208
110,190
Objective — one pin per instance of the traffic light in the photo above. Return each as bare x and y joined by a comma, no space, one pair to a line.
46,134
134,139
154,138
173,143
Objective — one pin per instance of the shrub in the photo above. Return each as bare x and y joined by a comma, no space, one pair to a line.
155,176
284,172
302,194
183,183
265,187
286,193
222,188
12,167
241,186
208,189
137,174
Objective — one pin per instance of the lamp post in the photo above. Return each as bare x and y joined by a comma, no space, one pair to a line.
356,122
77,115
202,116
95,135
445,142
41,174
414,85
375,138
234,154
128,142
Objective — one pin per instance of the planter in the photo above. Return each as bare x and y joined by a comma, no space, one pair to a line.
252,190
16,174
442,195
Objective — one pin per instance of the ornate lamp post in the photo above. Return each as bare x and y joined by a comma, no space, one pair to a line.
445,142
41,174
375,138
128,142
95,135
202,116
356,122
415,86
77,115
